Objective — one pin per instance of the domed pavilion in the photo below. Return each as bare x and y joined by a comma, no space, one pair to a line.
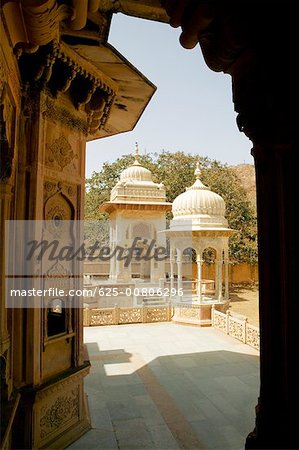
137,209
199,223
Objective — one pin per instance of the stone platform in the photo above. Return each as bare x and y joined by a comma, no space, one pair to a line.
169,386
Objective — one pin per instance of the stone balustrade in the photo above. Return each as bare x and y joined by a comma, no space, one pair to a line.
236,326
229,323
120,316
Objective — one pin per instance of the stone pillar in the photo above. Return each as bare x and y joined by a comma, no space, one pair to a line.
199,266
241,39
179,267
118,268
226,280
219,280
269,122
112,262
171,261
126,269
56,119
276,177
216,280
10,104
5,205
54,162
5,338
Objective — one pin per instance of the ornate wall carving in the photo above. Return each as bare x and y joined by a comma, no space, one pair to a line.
58,69
237,328
60,153
61,115
115,316
31,25
219,321
57,208
62,410
58,411
130,315
68,190
253,336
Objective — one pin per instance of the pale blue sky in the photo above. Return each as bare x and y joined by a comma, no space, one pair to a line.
192,109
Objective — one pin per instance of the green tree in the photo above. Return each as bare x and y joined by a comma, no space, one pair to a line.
176,172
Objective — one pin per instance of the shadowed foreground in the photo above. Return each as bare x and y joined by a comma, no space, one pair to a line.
168,386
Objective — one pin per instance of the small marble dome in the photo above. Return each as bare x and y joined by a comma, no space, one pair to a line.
200,205
136,172
136,184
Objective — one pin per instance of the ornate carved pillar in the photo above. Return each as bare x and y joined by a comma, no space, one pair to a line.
276,179
216,279
7,132
65,93
219,264
199,266
242,39
64,100
179,269
52,189
226,280
171,261
9,112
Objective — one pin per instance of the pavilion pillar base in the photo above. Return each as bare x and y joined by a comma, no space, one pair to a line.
54,415
197,314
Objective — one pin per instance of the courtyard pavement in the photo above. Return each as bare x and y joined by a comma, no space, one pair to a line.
168,386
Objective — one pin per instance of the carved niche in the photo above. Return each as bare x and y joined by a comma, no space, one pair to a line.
68,190
58,207
59,222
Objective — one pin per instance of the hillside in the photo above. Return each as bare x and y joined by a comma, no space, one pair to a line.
246,174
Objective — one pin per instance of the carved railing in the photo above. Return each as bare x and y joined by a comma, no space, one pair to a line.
120,316
236,326
230,323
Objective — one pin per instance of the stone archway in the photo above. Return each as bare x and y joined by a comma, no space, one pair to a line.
255,44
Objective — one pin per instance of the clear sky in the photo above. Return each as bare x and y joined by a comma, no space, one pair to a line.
192,109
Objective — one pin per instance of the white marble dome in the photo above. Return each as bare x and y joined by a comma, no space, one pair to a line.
136,172
135,184
199,204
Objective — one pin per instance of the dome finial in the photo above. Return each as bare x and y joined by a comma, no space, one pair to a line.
197,171
136,152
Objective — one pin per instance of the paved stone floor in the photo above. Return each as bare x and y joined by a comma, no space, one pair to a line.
168,386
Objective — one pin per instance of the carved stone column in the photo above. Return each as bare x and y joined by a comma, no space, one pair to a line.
199,267
6,197
171,262
219,279
276,179
226,278
9,111
216,280
52,189
242,39
55,122
179,269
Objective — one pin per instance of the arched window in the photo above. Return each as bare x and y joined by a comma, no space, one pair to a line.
209,255
141,230
56,317
189,255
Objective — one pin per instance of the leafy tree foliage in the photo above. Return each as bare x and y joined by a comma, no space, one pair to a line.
176,172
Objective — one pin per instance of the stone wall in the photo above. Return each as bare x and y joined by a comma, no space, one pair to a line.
238,273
